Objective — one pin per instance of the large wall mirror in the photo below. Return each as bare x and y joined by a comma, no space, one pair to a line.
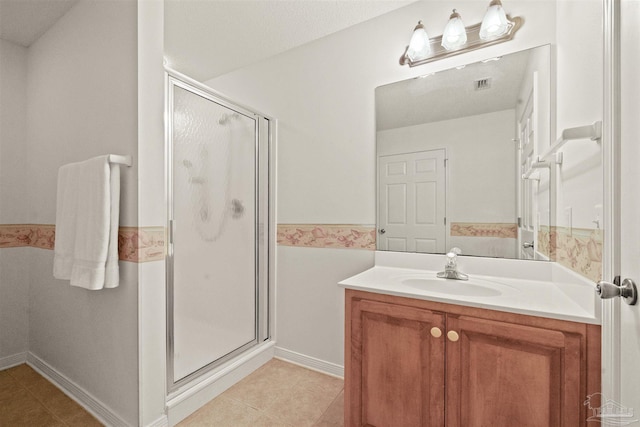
452,149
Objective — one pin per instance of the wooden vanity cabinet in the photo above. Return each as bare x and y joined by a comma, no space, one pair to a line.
412,362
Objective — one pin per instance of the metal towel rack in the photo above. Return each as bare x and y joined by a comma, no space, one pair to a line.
121,160
531,172
592,132
551,155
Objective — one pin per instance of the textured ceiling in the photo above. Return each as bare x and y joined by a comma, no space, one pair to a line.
451,94
24,21
208,38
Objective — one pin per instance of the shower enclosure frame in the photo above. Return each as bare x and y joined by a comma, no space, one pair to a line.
264,226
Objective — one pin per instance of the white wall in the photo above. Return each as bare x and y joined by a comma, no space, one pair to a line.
579,102
14,288
323,97
151,212
13,131
82,102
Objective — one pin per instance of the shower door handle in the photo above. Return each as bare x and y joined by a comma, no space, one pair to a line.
170,231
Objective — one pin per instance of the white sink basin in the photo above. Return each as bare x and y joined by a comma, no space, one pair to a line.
525,290
472,287
452,287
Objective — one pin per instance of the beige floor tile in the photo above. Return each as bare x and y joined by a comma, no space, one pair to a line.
321,382
276,369
334,415
31,400
83,419
300,406
8,385
262,388
24,374
63,406
39,417
54,399
41,387
279,394
24,410
222,412
264,420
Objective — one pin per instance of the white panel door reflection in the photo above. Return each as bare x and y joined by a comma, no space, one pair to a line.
411,202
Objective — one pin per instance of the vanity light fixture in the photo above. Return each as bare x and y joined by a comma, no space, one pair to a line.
496,27
455,34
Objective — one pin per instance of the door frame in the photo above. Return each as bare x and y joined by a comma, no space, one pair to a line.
610,315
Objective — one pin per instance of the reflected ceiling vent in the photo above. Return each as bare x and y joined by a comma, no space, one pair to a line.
482,84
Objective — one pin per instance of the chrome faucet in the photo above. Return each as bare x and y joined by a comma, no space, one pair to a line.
451,267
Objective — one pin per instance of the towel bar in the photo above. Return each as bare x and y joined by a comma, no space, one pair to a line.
121,160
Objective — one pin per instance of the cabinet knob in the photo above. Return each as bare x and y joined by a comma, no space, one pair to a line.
453,336
436,332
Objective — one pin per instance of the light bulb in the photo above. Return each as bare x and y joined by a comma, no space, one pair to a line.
419,46
455,34
495,21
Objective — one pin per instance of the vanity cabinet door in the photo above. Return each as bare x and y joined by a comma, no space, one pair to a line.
506,374
394,365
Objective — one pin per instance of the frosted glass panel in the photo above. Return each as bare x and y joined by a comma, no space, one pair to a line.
214,244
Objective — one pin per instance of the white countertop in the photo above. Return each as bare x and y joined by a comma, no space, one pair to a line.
544,298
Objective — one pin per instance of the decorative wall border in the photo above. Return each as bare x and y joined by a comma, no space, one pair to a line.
21,235
135,244
485,229
579,249
339,236
142,244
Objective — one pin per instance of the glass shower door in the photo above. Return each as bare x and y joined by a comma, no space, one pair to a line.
214,231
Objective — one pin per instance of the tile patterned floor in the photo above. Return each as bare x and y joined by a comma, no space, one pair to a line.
279,394
27,399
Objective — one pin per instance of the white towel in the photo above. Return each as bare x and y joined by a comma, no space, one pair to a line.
66,217
87,219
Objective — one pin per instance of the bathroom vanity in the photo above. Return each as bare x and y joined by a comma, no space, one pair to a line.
521,349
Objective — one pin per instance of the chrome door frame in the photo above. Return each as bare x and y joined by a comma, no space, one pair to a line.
264,224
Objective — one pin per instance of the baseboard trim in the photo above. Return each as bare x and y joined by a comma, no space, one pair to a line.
163,421
13,360
310,362
75,392
189,399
